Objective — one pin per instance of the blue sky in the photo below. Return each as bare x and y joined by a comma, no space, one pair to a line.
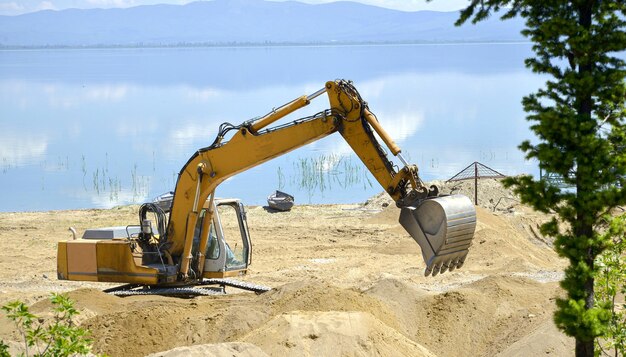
16,7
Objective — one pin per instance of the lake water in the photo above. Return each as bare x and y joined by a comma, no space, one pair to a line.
104,127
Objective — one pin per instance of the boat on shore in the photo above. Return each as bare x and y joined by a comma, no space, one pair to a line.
280,201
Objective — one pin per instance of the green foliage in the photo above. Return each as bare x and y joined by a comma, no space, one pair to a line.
59,337
4,349
611,284
578,118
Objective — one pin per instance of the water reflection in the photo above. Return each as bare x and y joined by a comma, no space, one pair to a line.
19,149
243,68
98,128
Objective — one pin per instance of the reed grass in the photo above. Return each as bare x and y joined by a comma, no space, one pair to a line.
325,172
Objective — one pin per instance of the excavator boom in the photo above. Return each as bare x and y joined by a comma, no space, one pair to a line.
349,115
190,244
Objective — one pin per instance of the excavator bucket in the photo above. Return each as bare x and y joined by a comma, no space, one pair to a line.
444,228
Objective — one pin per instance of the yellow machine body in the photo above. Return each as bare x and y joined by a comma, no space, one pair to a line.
116,258
104,261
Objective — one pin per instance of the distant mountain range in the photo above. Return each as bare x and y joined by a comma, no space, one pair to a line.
240,22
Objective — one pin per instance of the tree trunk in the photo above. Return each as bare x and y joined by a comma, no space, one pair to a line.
585,348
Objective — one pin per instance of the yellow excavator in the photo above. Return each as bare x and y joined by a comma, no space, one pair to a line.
188,249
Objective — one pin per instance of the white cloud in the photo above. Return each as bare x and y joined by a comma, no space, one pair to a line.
110,198
10,7
19,150
107,93
128,127
59,96
186,138
188,133
415,5
401,124
406,5
115,3
58,100
201,94
45,5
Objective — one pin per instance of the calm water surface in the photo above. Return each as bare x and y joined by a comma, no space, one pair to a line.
99,128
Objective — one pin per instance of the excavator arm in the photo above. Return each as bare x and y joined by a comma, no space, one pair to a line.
442,226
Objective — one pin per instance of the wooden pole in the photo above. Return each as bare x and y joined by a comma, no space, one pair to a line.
475,183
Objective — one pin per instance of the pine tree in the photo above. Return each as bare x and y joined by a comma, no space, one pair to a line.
578,118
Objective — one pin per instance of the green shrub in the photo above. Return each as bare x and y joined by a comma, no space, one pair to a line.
56,337
610,283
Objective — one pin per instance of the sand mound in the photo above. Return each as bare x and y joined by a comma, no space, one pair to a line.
546,340
317,295
332,333
99,302
482,316
491,194
159,323
498,245
229,349
142,325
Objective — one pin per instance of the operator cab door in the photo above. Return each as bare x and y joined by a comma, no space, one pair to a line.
228,248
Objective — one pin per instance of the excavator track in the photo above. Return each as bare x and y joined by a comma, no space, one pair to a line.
185,291
259,289
204,288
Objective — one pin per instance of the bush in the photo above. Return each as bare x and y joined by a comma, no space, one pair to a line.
58,337
610,284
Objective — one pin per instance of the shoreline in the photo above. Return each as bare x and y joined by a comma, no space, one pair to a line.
8,48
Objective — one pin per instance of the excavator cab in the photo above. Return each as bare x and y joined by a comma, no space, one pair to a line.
228,250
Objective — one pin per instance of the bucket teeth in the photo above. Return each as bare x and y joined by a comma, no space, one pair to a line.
444,268
444,228
436,270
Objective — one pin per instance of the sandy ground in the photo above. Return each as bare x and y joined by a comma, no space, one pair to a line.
347,281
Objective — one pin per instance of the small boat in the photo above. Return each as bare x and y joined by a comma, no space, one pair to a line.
280,201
